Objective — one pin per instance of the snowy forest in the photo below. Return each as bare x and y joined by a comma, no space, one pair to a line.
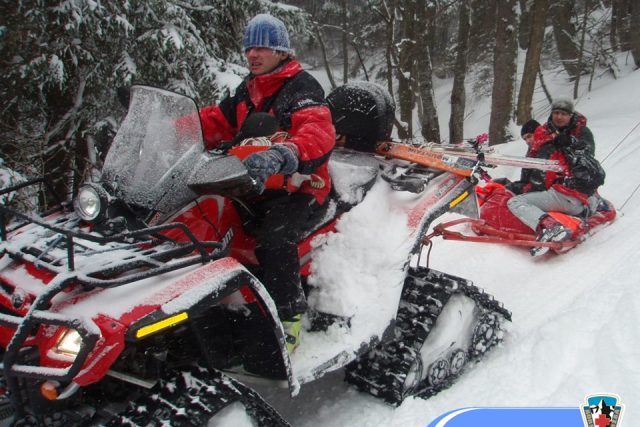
66,65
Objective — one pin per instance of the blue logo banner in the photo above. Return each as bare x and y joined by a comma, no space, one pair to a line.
510,417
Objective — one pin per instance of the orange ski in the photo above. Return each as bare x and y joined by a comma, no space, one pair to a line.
425,157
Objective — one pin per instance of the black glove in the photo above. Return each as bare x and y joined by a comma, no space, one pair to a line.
569,182
564,140
516,187
278,158
503,181
578,145
537,179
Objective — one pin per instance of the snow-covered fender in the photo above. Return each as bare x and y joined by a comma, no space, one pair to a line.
175,303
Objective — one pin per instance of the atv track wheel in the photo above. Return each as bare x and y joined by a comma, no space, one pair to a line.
458,361
195,398
408,365
485,334
438,372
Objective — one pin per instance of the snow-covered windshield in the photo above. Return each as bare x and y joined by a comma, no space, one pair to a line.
161,129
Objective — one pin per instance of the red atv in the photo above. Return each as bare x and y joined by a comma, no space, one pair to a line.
142,304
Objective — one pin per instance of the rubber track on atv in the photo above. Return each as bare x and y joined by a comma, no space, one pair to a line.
190,398
383,371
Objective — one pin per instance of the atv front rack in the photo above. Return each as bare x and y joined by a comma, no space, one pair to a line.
135,255
64,248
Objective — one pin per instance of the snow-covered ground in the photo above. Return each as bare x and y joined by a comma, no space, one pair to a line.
576,317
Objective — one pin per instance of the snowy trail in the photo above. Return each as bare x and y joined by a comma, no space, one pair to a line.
576,317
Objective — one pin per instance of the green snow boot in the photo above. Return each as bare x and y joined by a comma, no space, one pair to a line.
292,332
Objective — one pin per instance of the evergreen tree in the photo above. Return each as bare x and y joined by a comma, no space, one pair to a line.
63,62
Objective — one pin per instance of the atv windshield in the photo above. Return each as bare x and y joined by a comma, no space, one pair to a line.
150,155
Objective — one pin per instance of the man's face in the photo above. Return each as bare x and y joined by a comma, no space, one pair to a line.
263,60
560,119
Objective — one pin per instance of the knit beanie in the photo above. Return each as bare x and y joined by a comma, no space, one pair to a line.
562,104
529,127
266,31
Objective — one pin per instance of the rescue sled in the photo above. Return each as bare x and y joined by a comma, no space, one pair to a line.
498,225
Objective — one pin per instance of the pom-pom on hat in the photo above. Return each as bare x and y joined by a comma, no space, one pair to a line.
562,104
529,127
266,31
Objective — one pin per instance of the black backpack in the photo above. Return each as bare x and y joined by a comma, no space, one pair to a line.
587,173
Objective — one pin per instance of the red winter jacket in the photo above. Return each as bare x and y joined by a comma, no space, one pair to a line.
577,128
543,147
301,112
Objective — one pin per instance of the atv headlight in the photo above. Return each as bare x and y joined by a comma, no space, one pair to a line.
69,343
90,202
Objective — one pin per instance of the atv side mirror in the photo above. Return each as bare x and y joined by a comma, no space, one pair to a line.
223,175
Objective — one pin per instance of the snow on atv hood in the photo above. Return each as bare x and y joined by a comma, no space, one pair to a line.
174,291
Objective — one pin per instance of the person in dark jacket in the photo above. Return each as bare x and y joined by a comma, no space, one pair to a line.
278,85
524,184
564,138
527,131
566,126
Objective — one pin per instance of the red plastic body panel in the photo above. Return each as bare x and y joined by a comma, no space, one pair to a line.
209,219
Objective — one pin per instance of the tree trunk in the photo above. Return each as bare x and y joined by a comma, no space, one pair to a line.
547,94
61,138
524,25
389,53
362,64
388,15
532,61
325,60
615,22
345,43
430,128
406,59
625,26
634,39
583,34
458,95
565,34
504,71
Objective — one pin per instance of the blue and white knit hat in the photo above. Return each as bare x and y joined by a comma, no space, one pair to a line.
266,31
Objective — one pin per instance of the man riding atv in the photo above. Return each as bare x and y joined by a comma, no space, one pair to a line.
278,85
